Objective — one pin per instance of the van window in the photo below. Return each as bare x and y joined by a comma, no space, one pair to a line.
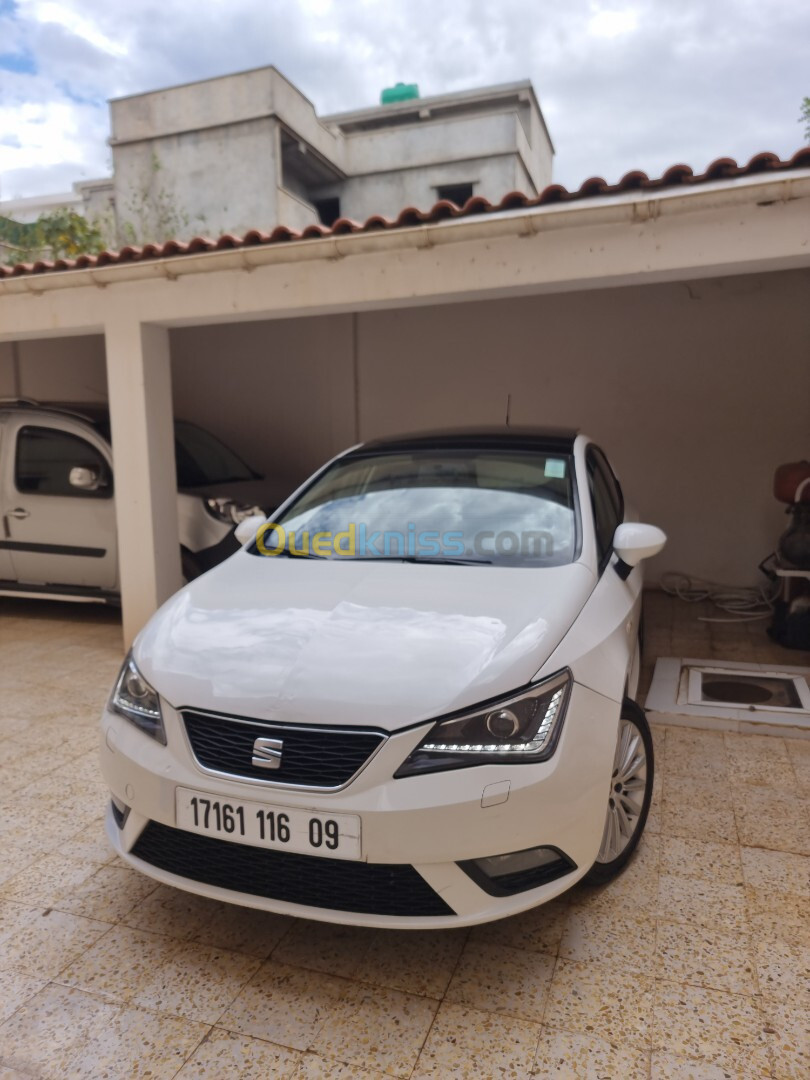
45,457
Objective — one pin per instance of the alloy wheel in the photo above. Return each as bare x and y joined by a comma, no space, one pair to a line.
627,791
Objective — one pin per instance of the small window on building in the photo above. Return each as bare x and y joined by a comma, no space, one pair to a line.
328,210
455,193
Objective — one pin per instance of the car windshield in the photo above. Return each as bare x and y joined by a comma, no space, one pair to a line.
202,459
494,507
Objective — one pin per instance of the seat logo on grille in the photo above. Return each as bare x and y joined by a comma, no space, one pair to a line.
267,753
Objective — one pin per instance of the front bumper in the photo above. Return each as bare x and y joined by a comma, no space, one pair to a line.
429,823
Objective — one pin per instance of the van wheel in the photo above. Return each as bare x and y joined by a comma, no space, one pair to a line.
630,794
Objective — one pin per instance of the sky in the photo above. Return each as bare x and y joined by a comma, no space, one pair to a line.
623,85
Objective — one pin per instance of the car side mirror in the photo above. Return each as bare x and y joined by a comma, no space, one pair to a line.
84,478
246,530
633,542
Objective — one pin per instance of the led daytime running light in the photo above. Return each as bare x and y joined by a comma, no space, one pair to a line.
505,748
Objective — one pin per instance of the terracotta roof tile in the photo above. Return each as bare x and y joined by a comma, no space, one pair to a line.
675,176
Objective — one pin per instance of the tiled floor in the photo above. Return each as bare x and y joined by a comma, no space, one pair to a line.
695,963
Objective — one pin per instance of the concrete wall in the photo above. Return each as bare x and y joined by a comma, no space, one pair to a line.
389,193
8,380
281,393
539,160
452,127
431,142
98,206
404,166
294,211
56,369
220,179
228,99
29,208
697,391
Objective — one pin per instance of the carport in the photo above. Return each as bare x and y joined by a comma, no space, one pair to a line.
669,319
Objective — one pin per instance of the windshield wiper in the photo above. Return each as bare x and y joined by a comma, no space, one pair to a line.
291,554
434,559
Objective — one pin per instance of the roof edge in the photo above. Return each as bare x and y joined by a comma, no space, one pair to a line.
500,89
723,172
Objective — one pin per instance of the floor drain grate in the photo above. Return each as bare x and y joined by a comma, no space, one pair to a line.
729,696
780,693
766,690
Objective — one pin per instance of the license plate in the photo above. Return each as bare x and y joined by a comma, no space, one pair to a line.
283,828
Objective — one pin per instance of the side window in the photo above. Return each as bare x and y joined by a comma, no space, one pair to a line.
45,457
607,502
613,485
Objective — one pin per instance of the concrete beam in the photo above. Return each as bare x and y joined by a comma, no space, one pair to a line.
140,396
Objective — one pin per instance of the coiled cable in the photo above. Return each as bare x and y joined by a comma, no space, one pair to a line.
742,603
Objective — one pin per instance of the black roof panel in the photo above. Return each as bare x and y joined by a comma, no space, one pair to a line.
557,440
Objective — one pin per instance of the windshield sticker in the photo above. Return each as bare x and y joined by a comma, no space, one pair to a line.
555,469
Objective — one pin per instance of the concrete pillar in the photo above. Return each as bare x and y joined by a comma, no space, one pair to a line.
140,394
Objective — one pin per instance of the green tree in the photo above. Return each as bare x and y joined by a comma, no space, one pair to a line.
68,234
804,117
58,234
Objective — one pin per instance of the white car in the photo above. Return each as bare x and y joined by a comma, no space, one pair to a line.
57,500
407,700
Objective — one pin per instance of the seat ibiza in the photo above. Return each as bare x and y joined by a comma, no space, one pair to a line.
407,700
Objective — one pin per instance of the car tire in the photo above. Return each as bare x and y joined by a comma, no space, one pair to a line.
630,795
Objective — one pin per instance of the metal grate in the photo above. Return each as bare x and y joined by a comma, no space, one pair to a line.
310,756
367,888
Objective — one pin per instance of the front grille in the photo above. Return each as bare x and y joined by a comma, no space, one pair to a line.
366,888
310,756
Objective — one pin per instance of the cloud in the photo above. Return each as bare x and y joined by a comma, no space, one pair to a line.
612,23
86,29
623,85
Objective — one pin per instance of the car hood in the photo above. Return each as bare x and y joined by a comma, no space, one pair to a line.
356,643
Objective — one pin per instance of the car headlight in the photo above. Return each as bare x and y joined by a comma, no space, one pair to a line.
135,699
519,729
230,511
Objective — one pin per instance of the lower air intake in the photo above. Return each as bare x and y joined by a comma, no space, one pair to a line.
337,884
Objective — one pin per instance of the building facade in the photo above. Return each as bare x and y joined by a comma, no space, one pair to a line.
248,151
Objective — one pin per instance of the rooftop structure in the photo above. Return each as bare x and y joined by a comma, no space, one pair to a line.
248,151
